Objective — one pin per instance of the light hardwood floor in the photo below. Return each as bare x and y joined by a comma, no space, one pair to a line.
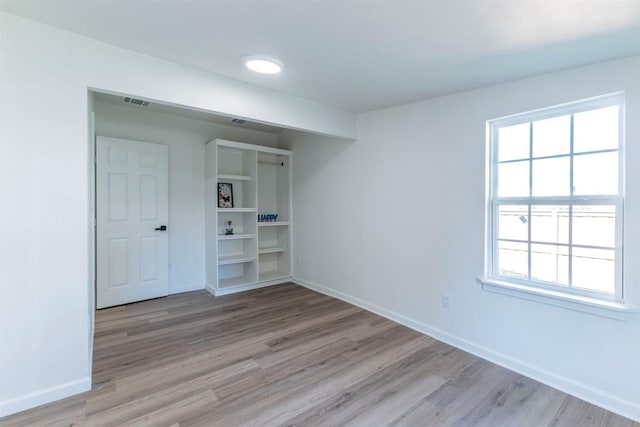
289,356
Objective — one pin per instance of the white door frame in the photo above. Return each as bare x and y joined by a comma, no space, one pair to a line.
92,228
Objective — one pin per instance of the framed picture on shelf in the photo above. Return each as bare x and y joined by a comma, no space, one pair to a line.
225,195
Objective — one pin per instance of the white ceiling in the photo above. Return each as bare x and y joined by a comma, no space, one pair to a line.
359,55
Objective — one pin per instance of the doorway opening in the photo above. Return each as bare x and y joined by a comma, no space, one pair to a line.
185,133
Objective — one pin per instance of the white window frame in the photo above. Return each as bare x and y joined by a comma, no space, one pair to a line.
536,290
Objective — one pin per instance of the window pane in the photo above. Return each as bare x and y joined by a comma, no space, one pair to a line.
594,269
595,174
513,142
550,263
513,259
550,223
551,136
513,222
596,129
551,177
513,179
594,225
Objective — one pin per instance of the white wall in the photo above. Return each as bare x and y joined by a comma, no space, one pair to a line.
44,187
399,217
186,139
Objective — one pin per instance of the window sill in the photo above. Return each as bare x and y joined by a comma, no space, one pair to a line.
609,309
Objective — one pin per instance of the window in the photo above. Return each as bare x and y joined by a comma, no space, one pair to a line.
556,199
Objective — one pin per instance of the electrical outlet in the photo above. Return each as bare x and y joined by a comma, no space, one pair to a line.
170,267
299,260
446,300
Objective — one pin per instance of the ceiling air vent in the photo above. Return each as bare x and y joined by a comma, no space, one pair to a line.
238,121
136,101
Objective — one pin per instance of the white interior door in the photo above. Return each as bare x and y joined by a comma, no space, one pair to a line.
131,210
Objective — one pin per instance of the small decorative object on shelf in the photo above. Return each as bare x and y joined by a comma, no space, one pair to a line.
229,229
267,217
225,195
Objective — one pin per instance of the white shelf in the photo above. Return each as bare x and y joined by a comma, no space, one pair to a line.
233,281
272,223
234,259
273,275
232,210
271,250
233,177
235,236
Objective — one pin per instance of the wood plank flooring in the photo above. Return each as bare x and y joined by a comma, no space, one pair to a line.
288,356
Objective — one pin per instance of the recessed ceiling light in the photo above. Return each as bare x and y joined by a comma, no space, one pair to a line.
263,65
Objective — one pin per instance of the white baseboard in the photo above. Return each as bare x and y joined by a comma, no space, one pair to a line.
41,397
597,397
186,288
242,288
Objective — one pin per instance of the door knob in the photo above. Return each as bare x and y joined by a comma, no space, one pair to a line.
162,228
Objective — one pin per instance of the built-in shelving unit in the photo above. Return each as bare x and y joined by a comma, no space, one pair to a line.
257,253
